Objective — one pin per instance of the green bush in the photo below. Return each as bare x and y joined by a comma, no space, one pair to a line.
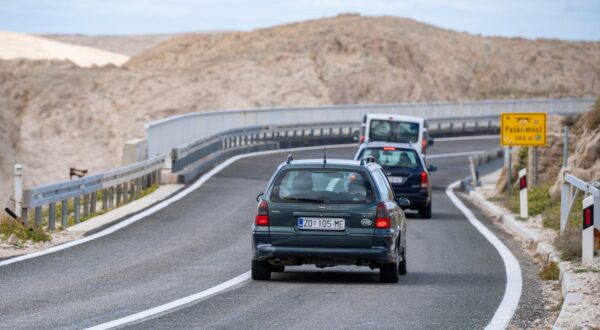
538,199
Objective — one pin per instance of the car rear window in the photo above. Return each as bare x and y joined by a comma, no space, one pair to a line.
322,186
394,157
394,131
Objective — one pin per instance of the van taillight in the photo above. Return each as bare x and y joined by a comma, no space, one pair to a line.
262,214
382,219
424,145
424,180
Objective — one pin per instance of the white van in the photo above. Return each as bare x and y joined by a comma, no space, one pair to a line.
395,128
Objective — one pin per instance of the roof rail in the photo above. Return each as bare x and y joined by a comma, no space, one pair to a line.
289,159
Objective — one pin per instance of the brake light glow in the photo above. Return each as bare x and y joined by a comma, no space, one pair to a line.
382,219
362,138
424,145
262,214
389,148
424,180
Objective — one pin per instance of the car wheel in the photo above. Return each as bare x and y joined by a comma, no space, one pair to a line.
388,273
277,269
402,265
261,270
425,212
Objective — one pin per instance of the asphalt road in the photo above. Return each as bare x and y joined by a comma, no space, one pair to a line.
455,278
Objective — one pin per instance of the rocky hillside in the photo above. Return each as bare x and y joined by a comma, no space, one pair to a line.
61,115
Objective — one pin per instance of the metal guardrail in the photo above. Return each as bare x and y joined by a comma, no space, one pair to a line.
116,187
179,130
570,186
284,135
211,135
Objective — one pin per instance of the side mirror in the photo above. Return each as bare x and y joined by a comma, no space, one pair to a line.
430,142
431,168
260,197
403,202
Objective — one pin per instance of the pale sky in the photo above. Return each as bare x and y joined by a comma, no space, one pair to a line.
564,19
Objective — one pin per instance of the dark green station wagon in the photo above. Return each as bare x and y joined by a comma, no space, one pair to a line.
327,213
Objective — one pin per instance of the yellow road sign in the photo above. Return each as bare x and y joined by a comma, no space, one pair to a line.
523,129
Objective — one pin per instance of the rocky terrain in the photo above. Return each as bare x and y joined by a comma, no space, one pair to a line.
56,114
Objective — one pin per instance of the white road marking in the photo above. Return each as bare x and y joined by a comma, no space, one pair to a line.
176,304
514,282
159,206
455,154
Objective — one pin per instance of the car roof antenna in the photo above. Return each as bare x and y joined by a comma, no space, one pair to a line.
289,159
324,156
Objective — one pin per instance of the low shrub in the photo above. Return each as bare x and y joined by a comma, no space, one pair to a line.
538,199
23,232
592,118
550,272
569,244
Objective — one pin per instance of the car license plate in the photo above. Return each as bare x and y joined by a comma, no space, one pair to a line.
397,179
321,223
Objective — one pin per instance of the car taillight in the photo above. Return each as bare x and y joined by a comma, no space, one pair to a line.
382,219
362,138
424,180
262,214
424,145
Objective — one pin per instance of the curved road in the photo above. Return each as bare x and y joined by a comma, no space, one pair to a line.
456,279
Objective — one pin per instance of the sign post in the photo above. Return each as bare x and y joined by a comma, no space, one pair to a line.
523,193
524,129
587,239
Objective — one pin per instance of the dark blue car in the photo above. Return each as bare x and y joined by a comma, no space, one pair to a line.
406,171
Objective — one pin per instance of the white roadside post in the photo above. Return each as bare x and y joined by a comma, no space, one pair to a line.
523,193
587,240
18,189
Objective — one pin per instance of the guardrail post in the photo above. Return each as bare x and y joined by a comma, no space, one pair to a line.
474,175
38,215
24,212
52,216
104,199
587,239
111,197
94,197
86,205
565,203
119,202
64,209
76,209
523,205
18,189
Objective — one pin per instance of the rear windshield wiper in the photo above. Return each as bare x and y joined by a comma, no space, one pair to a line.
305,199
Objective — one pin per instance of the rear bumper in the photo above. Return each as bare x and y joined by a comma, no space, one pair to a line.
417,200
325,254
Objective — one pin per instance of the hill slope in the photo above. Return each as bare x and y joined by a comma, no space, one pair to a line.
70,116
23,46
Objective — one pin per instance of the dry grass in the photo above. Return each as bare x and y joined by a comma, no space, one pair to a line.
550,272
23,232
592,119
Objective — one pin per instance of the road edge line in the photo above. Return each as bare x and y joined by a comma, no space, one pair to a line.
158,206
175,304
514,280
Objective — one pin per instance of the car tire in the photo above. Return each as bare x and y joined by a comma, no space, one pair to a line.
402,264
261,270
425,212
277,269
388,273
